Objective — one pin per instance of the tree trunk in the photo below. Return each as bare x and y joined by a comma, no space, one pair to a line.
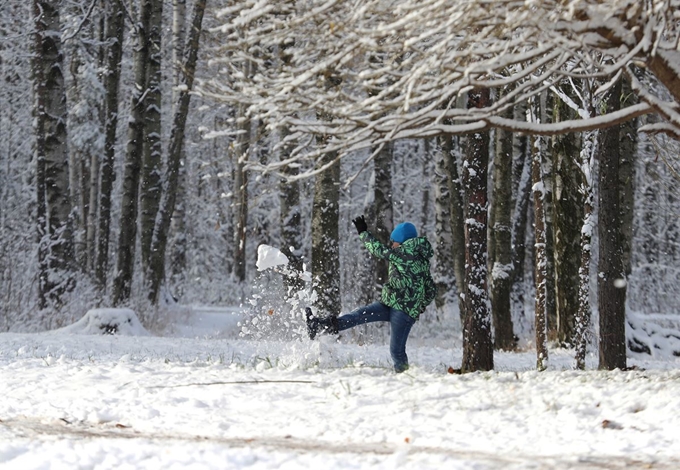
541,265
450,149
546,105
167,205
290,220
425,206
628,150
477,342
78,154
54,208
150,190
178,241
325,248
611,275
582,321
384,215
241,150
568,221
127,235
501,248
444,272
114,34
522,192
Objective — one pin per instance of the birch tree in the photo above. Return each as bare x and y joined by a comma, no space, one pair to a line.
568,217
444,270
127,235
55,250
500,251
177,137
113,56
540,264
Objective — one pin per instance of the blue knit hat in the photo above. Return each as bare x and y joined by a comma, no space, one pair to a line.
403,232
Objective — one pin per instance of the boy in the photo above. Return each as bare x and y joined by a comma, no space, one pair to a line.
408,290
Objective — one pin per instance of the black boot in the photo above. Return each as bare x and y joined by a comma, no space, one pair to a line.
316,325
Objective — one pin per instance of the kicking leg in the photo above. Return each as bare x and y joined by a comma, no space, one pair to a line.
370,313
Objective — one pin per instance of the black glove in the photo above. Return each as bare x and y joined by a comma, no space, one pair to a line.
360,224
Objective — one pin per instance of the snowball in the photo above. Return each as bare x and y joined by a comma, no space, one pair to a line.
269,257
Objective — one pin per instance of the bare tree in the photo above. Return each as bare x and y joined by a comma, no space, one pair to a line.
167,206
567,223
54,205
383,202
240,156
150,177
582,320
451,149
611,276
114,52
127,235
444,269
540,265
477,343
500,250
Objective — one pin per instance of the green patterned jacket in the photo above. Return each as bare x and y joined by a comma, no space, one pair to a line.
409,287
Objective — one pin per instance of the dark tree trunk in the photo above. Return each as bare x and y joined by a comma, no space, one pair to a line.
611,273
325,249
384,218
568,221
150,183
290,220
450,148
241,152
55,250
127,235
477,342
114,33
522,192
501,242
167,206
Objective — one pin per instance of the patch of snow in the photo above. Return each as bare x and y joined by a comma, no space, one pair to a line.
113,321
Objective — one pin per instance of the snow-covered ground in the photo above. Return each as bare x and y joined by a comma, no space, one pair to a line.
203,399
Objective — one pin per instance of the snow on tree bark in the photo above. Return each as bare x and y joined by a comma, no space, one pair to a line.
325,248
582,320
177,133
522,196
451,151
55,250
477,342
127,234
444,269
114,52
384,219
240,156
568,219
540,266
150,178
501,242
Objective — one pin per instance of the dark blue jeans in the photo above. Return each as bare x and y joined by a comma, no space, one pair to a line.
400,327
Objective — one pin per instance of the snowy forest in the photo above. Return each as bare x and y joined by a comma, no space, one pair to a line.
149,147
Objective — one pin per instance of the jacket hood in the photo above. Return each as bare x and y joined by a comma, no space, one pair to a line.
419,246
